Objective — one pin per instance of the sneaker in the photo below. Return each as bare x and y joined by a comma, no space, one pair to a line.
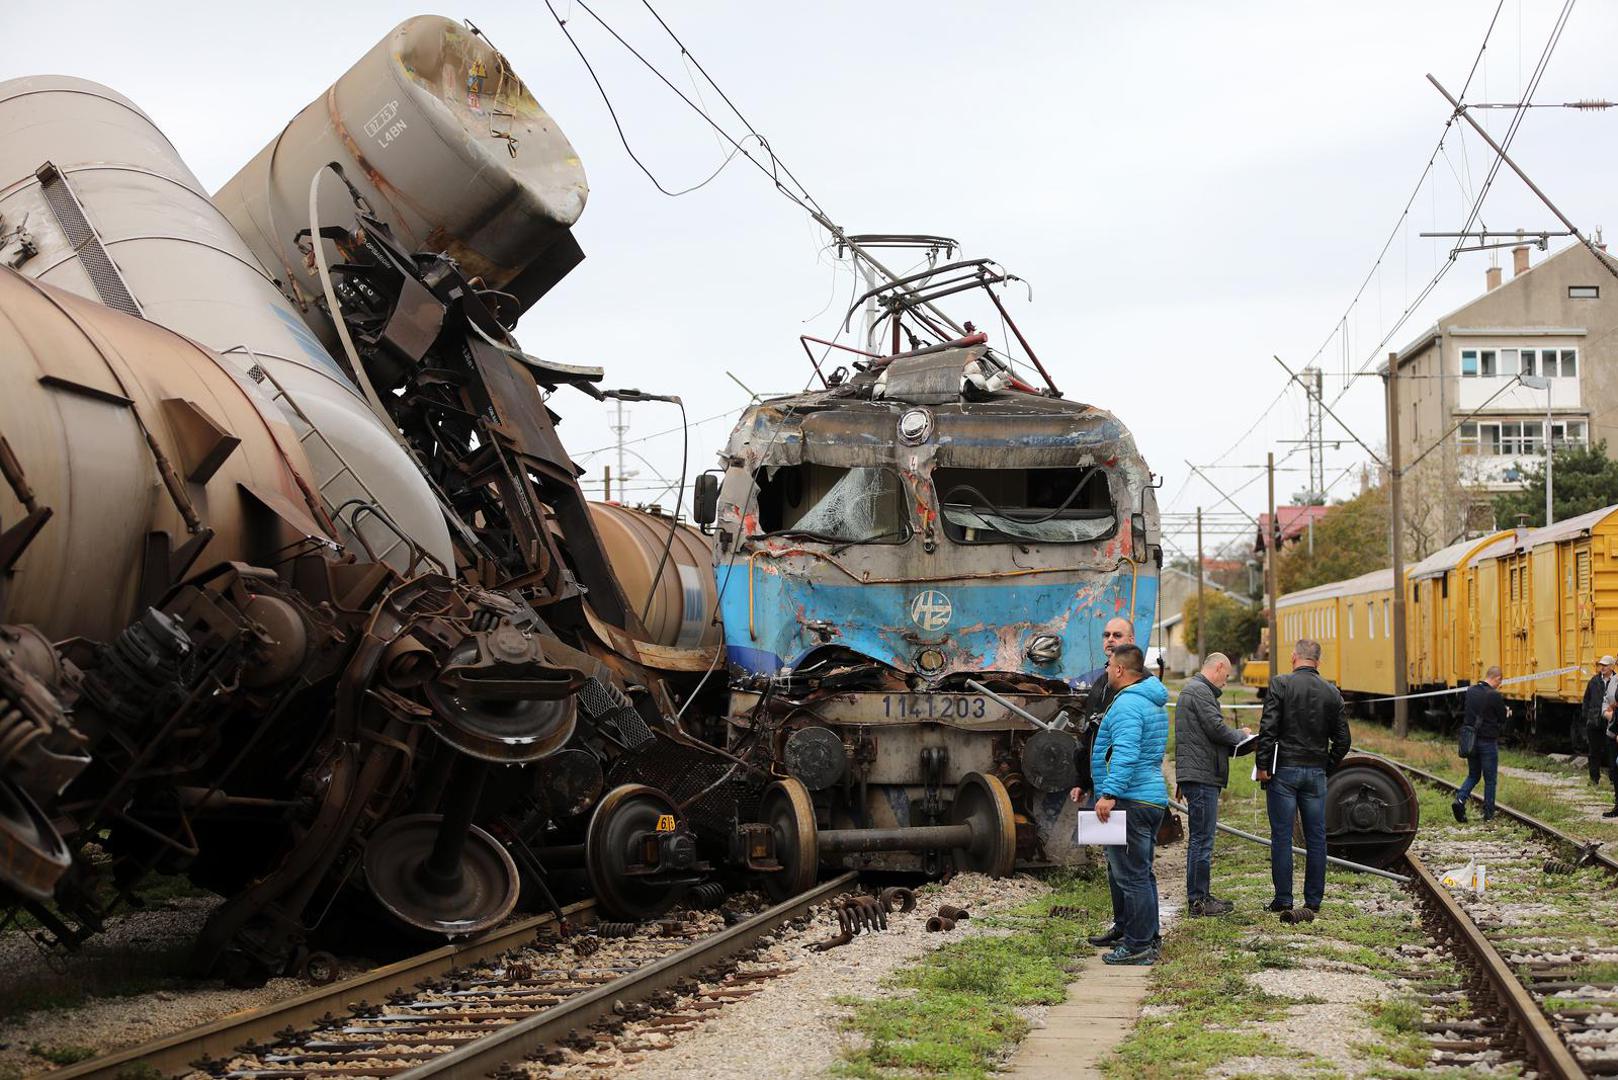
1459,810
1133,957
1111,936
1212,906
1611,813
1276,905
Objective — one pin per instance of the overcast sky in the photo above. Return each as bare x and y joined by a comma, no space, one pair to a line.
1189,188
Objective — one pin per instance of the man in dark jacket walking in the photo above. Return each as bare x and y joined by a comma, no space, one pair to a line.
1595,725
1203,743
1301,738
1485,715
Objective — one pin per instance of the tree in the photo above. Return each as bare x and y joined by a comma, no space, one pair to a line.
1233,627
1349,541
1584,479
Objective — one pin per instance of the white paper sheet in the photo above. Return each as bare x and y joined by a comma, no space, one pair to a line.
1109,833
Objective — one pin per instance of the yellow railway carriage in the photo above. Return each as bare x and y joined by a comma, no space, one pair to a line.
1534,601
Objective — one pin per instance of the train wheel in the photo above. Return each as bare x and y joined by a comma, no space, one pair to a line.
32,855
626,814
982,802
481,895
789,812
1371,811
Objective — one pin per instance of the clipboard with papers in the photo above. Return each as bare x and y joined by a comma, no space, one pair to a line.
1092,831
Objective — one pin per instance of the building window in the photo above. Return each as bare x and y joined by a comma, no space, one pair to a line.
1519,438
1508,361
1584,292
1479,363
1551,363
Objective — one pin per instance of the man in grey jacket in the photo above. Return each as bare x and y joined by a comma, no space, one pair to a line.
1203,744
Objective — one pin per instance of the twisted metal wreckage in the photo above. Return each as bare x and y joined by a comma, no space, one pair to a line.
314,631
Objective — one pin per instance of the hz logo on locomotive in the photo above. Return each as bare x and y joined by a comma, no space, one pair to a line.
931,610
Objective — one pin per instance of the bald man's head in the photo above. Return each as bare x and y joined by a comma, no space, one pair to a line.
1117,632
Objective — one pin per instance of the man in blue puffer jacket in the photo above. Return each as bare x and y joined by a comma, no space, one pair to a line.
1127,766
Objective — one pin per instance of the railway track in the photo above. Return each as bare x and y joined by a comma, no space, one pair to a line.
1585,851
472,1009
1516,969
1525,1026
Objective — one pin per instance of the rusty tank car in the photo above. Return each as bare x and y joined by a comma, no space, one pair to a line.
299,595
915,563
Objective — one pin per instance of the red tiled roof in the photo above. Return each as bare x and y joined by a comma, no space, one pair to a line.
1294,520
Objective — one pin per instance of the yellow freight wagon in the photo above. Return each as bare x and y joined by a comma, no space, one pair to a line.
1352,621
1534,601
1438,610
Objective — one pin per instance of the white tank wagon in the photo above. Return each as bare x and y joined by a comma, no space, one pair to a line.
446,144
94,199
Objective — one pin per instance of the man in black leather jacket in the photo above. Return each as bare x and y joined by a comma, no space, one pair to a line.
1596,741
1485,715
1302,737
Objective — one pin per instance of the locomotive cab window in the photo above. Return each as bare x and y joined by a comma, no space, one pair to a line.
864,505
1042,506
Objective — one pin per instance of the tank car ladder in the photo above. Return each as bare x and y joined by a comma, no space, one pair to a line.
369,504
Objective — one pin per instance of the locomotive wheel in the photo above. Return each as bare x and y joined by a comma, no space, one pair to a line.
626,813
32,855
1371,812
787,809
982,802
485,893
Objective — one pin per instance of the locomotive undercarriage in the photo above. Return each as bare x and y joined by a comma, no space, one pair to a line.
932,781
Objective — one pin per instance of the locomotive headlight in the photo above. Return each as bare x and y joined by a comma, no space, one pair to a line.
1045,649
915,425
930,661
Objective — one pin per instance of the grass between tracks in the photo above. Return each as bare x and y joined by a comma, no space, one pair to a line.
954,1012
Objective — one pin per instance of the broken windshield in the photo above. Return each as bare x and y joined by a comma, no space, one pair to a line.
1042,506
821,502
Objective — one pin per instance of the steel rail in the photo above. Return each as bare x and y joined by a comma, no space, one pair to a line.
525,1037
220,1038
1588,850
1524,1019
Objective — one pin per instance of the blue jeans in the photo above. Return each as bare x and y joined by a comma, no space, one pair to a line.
1482,764
1296,790
1130,875
1202,806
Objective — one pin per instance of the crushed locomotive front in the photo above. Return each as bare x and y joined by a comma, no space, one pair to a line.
914,571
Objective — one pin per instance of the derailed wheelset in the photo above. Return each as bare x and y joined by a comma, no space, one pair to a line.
980,836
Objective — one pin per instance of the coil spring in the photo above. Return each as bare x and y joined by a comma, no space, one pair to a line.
708,895
1557,866
861,913
897,896
584,946
1068,911
616,929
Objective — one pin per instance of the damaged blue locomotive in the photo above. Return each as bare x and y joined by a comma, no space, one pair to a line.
915,563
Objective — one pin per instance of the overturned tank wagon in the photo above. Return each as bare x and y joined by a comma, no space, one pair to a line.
915,564
299,594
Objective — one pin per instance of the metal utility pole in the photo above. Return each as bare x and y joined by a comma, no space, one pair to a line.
1271,544
606,483
1202,622
1401,673
1312,386
1550,456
